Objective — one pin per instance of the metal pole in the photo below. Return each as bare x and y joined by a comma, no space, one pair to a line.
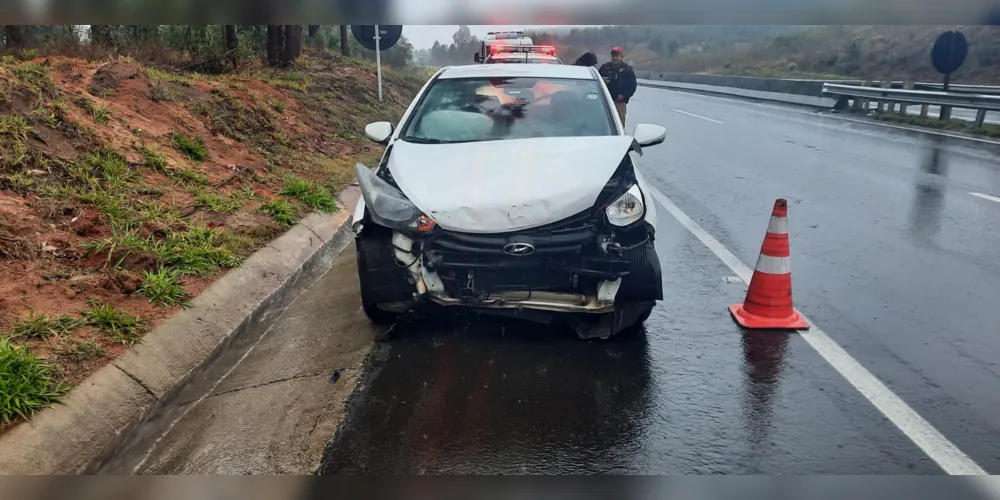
946,110
378,61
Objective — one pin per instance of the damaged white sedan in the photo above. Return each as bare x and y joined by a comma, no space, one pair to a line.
511,189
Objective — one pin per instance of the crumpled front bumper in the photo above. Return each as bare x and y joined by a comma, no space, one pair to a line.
568,273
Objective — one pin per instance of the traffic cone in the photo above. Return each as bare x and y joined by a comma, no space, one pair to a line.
768,304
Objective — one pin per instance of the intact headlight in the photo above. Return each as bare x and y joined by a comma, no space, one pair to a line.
388,206
627,209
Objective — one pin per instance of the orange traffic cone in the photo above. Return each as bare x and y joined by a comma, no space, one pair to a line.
769,299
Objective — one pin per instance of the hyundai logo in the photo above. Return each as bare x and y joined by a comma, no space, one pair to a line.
519,249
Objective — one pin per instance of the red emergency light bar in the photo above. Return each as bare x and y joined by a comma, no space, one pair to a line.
545,49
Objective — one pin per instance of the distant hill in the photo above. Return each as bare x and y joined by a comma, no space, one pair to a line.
874,52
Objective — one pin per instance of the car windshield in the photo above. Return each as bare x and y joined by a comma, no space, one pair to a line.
486,109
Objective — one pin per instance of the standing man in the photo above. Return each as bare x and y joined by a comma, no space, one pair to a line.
620,80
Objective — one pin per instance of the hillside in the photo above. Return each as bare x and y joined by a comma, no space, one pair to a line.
126,190
873,52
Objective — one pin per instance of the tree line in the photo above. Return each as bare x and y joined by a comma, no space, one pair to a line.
208,48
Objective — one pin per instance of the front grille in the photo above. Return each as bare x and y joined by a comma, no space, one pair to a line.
571,235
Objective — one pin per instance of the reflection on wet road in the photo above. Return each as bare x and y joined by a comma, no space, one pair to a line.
891,257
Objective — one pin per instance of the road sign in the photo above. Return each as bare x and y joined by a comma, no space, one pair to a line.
388,35
949,52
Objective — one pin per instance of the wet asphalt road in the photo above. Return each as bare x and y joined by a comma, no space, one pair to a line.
891,256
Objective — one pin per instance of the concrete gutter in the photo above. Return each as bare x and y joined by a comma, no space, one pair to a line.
128,404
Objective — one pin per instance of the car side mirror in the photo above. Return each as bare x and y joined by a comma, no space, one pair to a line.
379,131
479,57
647,134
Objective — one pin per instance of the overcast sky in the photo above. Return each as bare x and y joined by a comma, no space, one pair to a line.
423,36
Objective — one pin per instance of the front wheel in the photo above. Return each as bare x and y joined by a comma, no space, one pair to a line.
380,278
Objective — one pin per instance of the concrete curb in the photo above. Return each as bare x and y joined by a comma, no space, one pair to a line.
124,407
796,99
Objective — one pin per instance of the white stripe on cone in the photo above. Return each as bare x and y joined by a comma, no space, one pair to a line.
778,225
774,265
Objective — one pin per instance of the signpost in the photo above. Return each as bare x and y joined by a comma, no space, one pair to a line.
377,37
948,54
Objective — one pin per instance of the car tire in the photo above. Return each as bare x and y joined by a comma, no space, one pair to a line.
373,256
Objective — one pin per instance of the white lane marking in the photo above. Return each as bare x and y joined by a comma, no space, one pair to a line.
696,116
986,197
832,116
909,422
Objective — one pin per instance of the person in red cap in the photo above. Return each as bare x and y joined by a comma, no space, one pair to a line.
620,79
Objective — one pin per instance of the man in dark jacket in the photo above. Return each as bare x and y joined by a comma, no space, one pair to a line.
620,80
588,59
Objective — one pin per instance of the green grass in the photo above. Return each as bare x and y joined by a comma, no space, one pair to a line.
84,350
189,176
36,78
311,194
278,106
192,147
196,251
27,383
162,288
118,325
43,326
14,132
954,124
47,117
111,167
155,160
101,114
281,211
216,203
155,74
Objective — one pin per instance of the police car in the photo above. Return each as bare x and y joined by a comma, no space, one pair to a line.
511,189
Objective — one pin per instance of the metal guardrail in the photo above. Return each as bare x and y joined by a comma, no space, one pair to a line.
861,95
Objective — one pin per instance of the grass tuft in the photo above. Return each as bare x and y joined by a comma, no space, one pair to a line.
43,326
311,194
163,288
192,147
85,350
118,325
27,383
216,203
111,167
281,211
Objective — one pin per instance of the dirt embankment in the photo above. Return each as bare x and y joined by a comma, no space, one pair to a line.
125,191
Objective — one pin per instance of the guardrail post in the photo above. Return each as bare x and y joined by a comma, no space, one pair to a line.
980,117
902,105
924,109
865,102
883,102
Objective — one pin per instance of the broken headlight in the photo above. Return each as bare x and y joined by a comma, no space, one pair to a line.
388,206
627,209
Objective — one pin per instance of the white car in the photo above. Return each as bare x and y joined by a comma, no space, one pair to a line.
512,189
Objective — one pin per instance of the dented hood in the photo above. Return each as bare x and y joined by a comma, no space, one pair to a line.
501,186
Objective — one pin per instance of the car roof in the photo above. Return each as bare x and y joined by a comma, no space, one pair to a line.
514,70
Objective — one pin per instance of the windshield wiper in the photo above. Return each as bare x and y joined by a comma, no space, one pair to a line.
422,140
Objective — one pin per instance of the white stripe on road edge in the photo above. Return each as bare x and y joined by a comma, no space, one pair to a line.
831,116
986,197
696,116
922,433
